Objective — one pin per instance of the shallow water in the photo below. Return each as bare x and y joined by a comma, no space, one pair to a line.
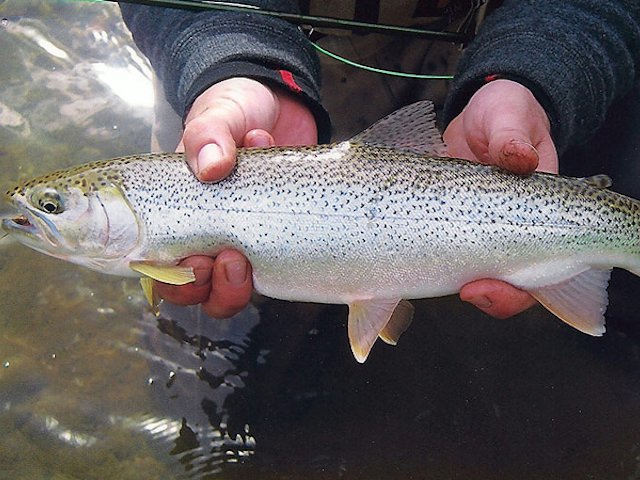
92,386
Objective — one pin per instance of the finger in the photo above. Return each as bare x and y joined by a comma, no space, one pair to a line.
191,293
220,118
503,124
519,153
258,138
548,156
231,286
496,298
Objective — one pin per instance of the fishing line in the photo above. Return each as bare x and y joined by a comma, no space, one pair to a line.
382,71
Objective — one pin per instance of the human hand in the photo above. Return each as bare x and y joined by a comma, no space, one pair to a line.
503,124
232,113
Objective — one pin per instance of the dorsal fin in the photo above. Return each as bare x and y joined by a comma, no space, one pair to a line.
411,128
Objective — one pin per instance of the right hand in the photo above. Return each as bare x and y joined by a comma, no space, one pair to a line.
238,112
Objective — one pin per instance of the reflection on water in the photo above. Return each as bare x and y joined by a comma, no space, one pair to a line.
92,386
73,89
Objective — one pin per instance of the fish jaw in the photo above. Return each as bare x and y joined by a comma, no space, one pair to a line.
18,225
32,229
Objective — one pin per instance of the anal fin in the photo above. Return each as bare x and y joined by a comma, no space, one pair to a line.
368,319
400,320
579,301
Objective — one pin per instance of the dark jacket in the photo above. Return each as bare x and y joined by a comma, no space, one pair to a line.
576,56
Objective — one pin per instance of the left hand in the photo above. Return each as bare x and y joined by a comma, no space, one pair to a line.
238,112
503,124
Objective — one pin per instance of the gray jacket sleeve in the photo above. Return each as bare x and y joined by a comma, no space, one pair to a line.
576,56
191,51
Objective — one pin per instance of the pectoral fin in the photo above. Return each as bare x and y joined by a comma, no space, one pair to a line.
147,288
579,301
369,318
172,274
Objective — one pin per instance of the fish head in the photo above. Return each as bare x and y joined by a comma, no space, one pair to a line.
80,215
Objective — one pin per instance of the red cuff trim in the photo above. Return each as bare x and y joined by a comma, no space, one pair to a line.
287,78
491,78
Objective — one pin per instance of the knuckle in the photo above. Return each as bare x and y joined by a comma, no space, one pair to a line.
197,128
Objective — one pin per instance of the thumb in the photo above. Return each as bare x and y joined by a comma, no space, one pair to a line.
513,150
220,119
505,125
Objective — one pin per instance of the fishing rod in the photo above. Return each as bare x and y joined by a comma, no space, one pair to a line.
308,20
307,23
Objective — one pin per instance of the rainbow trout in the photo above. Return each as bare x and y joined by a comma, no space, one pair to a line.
369,222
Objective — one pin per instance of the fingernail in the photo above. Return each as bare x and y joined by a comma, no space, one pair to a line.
236,272
208,155
480,301
261,141
522,142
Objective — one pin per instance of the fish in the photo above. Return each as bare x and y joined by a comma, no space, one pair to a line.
371,222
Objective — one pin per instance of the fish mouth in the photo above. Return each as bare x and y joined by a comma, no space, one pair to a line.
18,223
31,230
21,220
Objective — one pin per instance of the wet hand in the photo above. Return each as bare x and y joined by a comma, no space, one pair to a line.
503,124
238,112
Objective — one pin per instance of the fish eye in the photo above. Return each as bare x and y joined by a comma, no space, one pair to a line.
49,201
50,207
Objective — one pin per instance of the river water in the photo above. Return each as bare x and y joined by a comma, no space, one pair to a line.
93,386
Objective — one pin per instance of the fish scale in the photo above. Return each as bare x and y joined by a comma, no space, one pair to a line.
368,224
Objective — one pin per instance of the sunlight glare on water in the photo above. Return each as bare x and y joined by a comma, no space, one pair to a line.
132,85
